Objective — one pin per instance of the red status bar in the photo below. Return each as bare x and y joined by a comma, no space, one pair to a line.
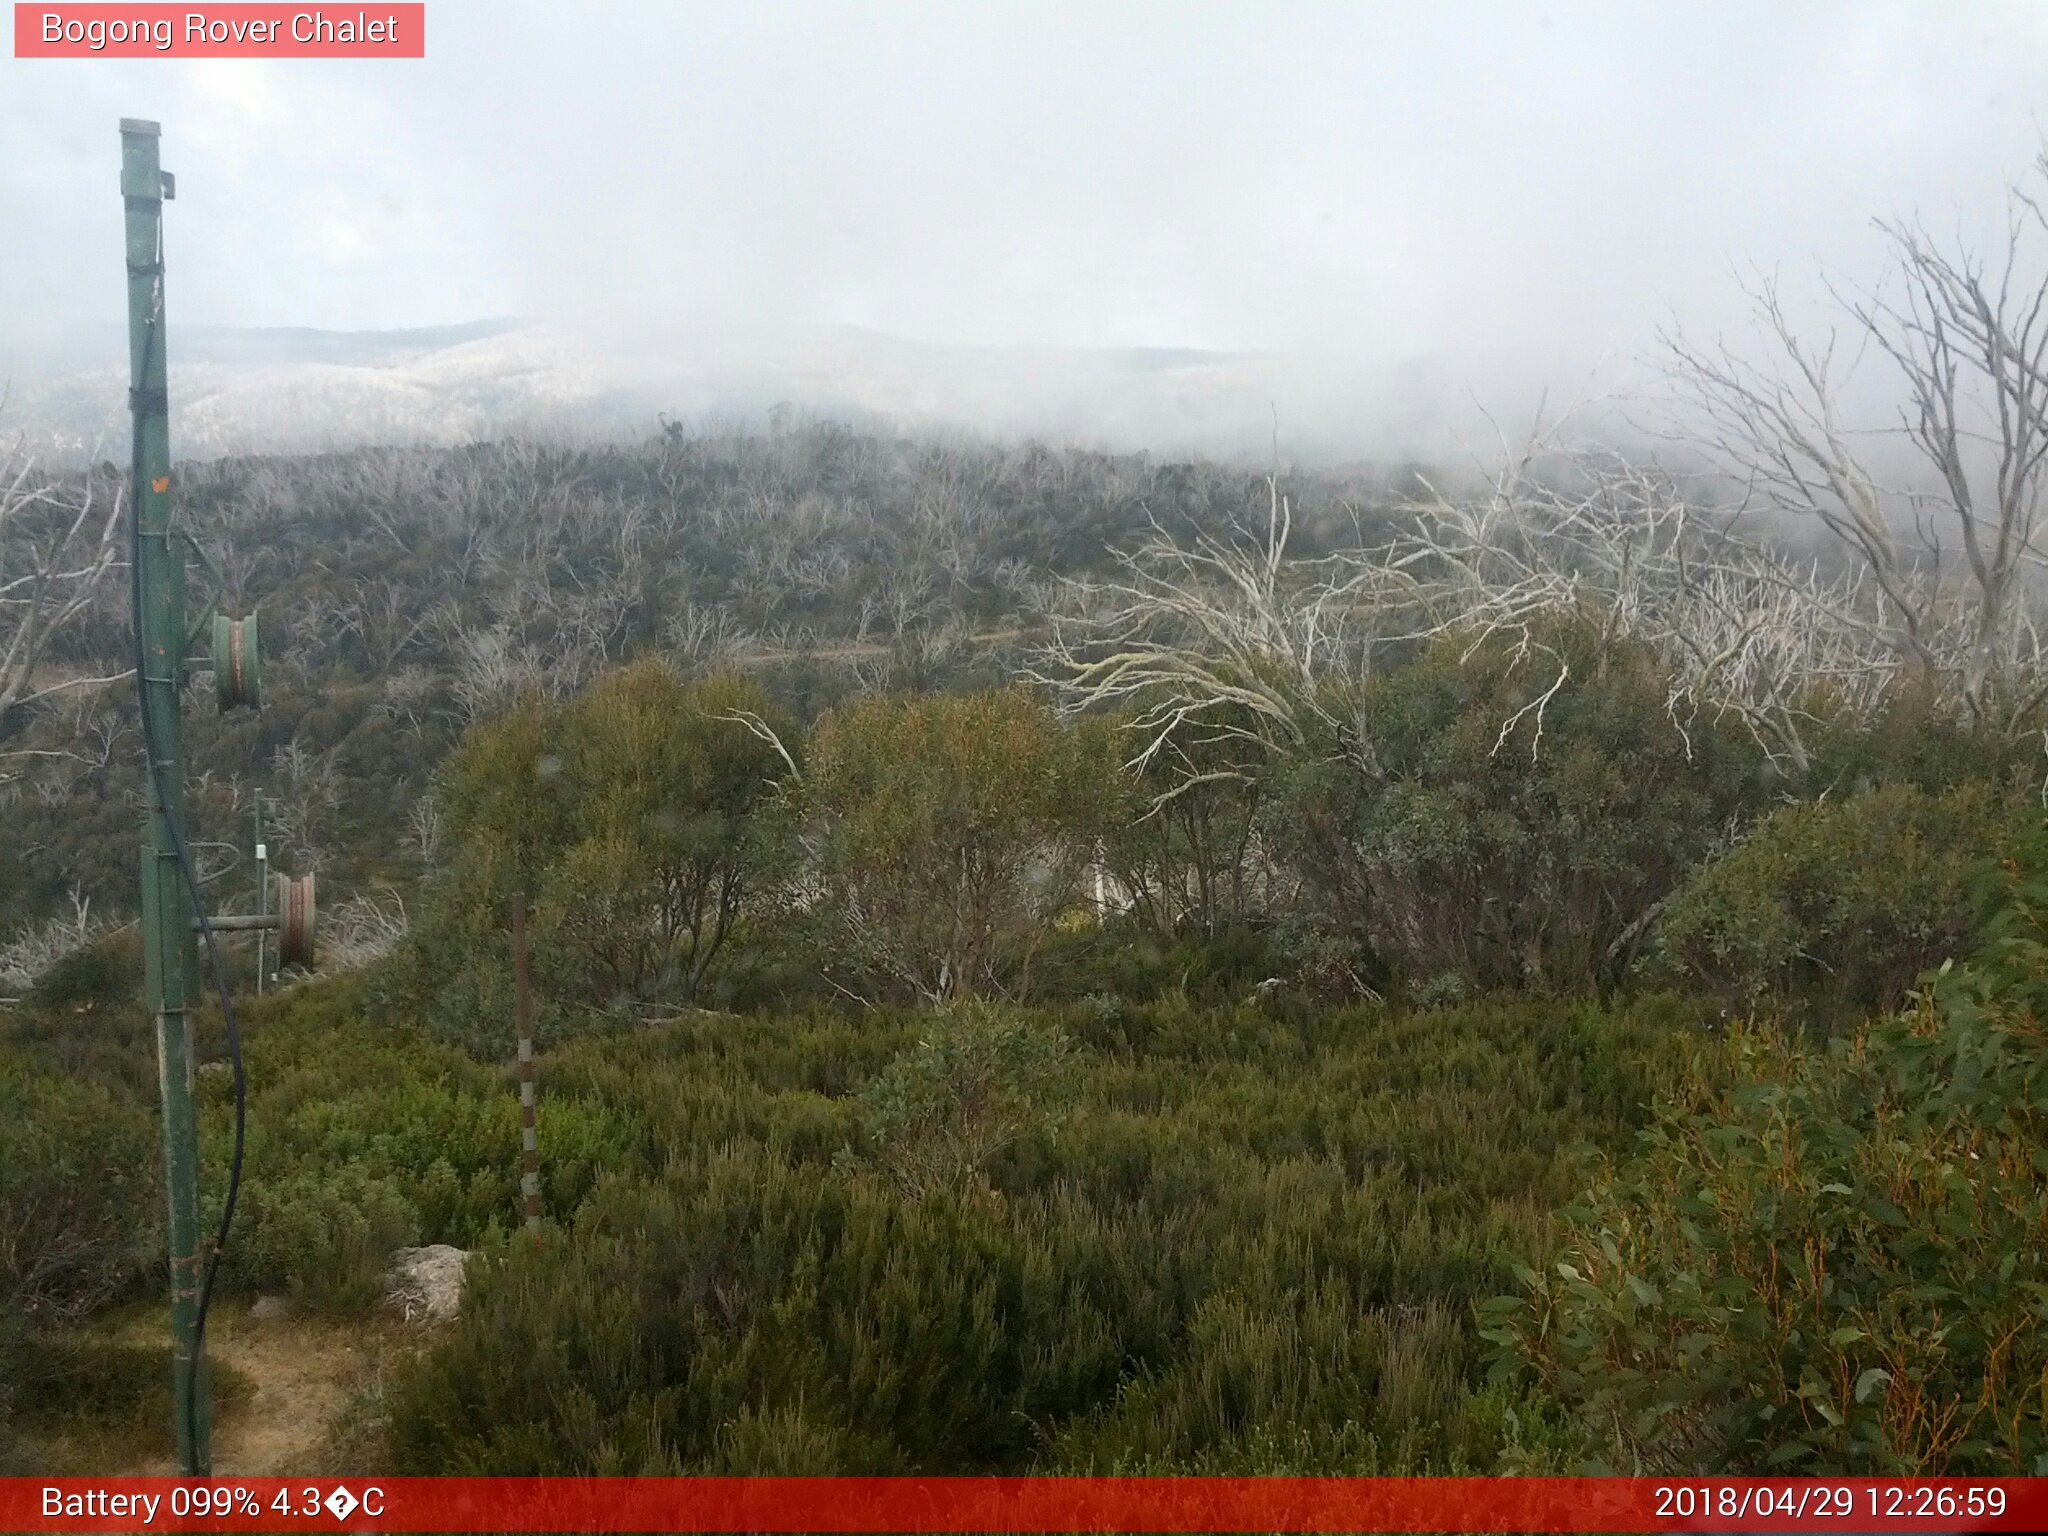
1023,1504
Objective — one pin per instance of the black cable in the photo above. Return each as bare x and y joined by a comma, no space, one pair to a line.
191,874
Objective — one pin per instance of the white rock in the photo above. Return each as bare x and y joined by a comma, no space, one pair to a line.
425,1284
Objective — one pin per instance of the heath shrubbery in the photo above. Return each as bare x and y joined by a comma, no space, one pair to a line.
979,1079
1510,816
1141,1236
79,1193
1483,814
1826,1259
1833,907
81,1198
363,1139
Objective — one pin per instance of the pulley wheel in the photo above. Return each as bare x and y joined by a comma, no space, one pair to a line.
237,662
295,919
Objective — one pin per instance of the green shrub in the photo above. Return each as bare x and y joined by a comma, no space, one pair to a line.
81,1216
979,1080
1835,906
903,1334
1483,825
80,1199
1127,956
64,1378
103,976
1181,825
321,1235
1912,740
671,835
1825,1261
640,820
951,832
1250,1246
101,1397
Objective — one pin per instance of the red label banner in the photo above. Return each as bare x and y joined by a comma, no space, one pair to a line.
1023,1504
244,31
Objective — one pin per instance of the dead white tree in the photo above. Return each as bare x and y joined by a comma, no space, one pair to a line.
303,801
424,830
384,619
1952,546
58,541
1221,638
1745,629
704,637
408,696
38,946
1216,637
362,929
492,669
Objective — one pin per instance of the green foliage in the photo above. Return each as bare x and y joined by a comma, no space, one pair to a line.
99,977
80,1212
640,820
1910,740
671,835
1835,906
79,1198
322,1235
387,1140
1189,1219
500,821
1826,1260
99,1395
1482,829
1125,957
90,1380
721,1290
499,806
445,573
1182,825
981,1078
951,831
1249,1246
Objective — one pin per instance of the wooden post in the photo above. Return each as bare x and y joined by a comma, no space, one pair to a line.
522,1011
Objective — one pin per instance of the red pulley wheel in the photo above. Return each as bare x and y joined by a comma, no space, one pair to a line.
295,920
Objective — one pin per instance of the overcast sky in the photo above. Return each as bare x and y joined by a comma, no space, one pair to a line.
1372,179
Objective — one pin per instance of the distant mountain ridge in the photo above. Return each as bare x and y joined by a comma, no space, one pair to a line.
298,389
303,344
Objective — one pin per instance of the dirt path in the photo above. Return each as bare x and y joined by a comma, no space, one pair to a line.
305,1375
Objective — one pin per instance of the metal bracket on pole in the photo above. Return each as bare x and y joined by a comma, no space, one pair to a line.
294,922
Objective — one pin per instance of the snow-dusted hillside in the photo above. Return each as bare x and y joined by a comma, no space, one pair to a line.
237,391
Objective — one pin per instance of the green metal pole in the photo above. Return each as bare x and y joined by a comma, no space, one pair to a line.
169,963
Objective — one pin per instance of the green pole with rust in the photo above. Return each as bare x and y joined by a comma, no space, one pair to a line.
169,964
